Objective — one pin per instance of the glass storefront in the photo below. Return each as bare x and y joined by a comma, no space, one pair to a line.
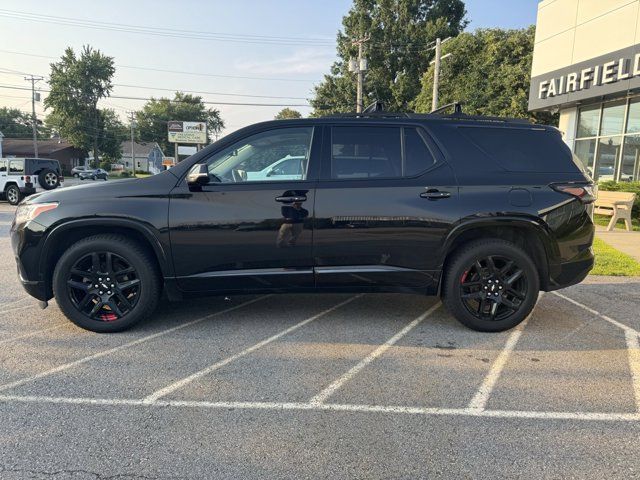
608,140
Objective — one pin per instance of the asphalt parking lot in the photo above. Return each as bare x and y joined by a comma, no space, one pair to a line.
322,386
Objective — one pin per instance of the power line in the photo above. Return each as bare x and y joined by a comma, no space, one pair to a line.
206,102
168,32
181,72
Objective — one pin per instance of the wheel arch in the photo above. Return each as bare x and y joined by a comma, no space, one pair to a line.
66,234
532,236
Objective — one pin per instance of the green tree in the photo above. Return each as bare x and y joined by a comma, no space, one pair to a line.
77,84
489,72
398,51
112,133
152,119
287,113
15,123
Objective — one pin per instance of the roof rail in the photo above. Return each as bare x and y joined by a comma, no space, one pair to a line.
457,108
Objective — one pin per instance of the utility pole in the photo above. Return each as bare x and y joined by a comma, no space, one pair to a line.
132,123
436,75
436,70
34,120
359,66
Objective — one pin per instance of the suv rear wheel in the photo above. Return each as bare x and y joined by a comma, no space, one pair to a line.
48,179
12,194
106,283
491,285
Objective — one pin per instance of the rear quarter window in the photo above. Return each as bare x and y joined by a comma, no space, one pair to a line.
523,149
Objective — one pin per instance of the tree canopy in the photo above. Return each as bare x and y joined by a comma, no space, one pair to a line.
77,83
489,72
398,51
287,113
152,119
15,123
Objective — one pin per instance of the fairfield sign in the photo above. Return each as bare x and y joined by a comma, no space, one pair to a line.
606,75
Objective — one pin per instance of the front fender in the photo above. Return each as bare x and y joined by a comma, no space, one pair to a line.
150,233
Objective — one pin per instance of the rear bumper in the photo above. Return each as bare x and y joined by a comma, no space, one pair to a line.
28,189
570,273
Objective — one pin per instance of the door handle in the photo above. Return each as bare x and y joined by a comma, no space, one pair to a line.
433,194
293,199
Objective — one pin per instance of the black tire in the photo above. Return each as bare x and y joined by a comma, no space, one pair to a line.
76,175
514,292
93,178
48,179
143,303
12,194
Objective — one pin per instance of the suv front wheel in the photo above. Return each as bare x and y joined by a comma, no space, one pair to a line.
491,285
106,283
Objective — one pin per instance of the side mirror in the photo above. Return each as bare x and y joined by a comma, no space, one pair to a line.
198,175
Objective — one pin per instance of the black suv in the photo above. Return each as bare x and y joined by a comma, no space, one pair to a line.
485,212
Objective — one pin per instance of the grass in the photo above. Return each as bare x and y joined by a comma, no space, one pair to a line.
610,261
604,221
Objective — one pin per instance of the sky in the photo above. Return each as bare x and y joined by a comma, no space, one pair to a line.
235,58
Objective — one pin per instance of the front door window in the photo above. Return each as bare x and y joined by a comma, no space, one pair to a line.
271,156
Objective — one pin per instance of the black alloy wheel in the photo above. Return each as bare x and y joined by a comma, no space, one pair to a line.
490,285
103,286
107,283
493,288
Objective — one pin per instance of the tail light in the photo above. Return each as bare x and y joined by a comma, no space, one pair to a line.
586,193
27,179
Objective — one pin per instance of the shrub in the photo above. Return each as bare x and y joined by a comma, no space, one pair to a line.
105,165
125,174
633,187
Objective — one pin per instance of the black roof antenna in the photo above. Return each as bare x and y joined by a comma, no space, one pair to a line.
457,108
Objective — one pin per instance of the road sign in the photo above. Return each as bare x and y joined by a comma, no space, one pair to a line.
168,161
187,132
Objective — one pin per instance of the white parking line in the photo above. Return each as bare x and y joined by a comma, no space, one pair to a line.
13,302
32,333
103,353
633,345
11,310
205,371
480,399
633,351
624,327
332,407
331,389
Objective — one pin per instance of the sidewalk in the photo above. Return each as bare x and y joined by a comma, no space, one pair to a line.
627,242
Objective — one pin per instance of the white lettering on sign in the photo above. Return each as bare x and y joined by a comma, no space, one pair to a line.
603,74
607,72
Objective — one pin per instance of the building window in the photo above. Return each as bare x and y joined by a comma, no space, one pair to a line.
608,141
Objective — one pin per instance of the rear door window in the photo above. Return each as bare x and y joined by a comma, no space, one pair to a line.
16,167
523,149
378,152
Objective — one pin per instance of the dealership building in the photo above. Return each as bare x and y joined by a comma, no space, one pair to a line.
586,66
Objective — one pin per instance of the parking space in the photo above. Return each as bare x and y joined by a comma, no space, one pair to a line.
319,386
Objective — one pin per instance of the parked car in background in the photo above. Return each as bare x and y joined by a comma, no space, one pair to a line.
484,212
97,174
287,168
76,171
20,177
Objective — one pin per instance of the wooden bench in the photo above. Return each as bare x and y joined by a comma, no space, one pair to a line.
616,204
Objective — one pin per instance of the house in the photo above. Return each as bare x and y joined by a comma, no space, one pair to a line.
55,149
147,156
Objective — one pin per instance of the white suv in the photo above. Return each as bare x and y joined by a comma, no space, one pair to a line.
20,177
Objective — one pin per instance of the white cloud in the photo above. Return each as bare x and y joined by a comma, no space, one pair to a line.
301,61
